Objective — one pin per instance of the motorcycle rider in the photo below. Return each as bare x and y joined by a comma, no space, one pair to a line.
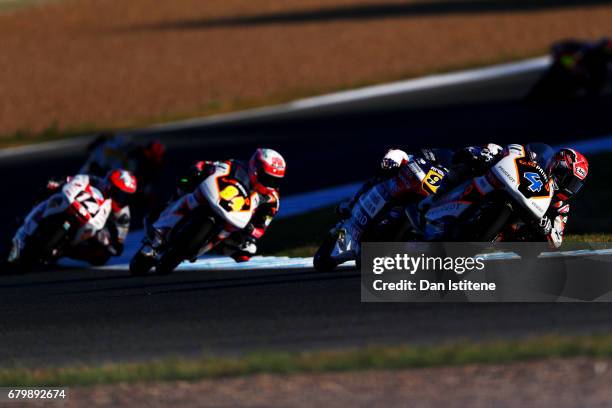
265,170
588,60
576,66
118,185
110,150
568,170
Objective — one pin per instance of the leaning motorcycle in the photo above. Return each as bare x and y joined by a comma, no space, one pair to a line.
69,217
369,218
225,205
515,192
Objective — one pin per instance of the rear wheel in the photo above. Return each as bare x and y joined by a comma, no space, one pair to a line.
322,261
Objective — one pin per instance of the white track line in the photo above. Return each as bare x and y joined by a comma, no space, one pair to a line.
370,92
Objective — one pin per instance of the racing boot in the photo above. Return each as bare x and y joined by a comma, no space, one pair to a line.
15,252
23,232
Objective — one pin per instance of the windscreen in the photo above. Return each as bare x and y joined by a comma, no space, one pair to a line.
543,153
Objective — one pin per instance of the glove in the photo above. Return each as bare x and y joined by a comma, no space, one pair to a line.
393,159
486,155
477,158
545,225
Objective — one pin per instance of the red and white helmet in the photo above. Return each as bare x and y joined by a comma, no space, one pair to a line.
120,185
568,169
266,170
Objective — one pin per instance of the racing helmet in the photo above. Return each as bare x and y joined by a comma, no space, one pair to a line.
120,185
266,170
568,169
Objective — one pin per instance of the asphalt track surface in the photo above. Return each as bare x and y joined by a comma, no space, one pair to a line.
71,316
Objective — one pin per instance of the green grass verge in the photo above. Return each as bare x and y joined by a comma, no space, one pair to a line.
299,235
52,133
9,5
394,358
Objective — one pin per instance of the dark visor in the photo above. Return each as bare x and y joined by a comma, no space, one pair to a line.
573,186
268,180
121,198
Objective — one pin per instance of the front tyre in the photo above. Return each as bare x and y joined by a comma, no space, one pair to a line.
322,261
494,223
186,244
141,264
484,222
46,245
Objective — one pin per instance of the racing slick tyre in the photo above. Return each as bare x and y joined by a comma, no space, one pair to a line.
185,243
493,221
45,246
141,264
322,260
483,223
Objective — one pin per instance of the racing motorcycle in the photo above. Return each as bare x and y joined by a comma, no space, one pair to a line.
420,177
69,217
225,205
511,196
109,151
500,205
575,71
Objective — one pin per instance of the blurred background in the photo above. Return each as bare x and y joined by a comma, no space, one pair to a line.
75,65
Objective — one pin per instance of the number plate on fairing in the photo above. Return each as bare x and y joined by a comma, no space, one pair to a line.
433,180
233,197
533,180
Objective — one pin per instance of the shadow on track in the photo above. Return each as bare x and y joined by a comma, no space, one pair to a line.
372,12
34,284
177,286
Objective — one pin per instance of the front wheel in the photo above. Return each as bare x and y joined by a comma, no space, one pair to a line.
47,244
494,224
141,264
186,243
484,222
322,261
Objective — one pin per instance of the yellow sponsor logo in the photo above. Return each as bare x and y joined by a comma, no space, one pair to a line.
228,193
237,203
232,195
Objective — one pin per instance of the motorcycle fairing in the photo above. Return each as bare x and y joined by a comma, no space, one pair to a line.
509,175
227,197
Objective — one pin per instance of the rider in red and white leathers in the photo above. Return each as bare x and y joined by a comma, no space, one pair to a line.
118,185
266,169
568,169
